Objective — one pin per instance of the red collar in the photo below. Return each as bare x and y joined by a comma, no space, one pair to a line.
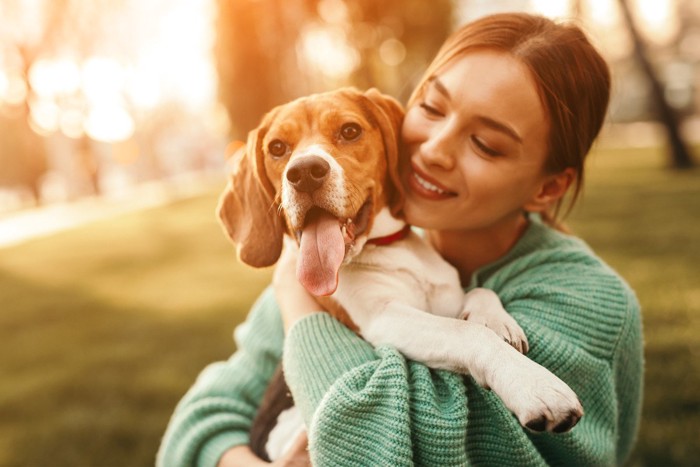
391,238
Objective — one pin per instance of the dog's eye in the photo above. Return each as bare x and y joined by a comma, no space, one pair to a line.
277,148
350,131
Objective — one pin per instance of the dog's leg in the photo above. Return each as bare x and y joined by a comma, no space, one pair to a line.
277,399
537,397
482,306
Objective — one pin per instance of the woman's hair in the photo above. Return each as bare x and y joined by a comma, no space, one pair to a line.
572,79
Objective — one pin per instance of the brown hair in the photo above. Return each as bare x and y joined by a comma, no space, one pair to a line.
572,78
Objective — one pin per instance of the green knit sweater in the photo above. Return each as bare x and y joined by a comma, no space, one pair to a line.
367,407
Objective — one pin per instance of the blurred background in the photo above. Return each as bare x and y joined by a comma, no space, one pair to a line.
116,284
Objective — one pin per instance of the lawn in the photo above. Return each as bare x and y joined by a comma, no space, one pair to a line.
104,327
645,220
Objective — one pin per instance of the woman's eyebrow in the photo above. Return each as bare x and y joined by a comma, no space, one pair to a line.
501,127
435,81
487,121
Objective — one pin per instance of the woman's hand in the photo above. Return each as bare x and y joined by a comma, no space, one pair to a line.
297,455
293,299
240,456
243,456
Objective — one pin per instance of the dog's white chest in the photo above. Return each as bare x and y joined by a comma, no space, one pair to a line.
410,271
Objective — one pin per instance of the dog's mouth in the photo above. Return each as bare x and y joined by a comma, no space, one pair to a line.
350,227
323,243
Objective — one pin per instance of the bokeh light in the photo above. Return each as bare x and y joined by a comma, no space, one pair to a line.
168,60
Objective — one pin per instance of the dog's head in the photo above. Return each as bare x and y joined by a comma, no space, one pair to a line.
319,168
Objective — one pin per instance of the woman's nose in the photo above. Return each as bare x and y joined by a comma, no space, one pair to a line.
439,148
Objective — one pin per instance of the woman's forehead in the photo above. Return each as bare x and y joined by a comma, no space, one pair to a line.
494,84
486,67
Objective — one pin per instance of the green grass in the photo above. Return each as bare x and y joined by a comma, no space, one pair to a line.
645,221
103,328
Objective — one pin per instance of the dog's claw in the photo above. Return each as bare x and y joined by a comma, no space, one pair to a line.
568,423
537,425
540,401
502,324
542,424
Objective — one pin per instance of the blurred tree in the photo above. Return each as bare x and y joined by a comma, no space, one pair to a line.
22,156
22,153
38,31
396,40
256,56
680,155
263,48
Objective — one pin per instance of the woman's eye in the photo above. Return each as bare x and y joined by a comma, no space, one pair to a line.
350,131
483,147
277,148
430,110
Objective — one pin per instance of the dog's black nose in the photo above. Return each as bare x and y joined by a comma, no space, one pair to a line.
308,173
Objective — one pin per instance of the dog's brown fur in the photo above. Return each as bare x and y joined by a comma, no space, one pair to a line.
249,208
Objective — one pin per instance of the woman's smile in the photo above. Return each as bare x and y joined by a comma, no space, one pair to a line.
426,187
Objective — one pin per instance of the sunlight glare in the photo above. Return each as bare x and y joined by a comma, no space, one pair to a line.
45,115
177,58
392,52
604,24
16,92
603,12
71,123
143,87
552,9
50,78
333,11
657,19
168,59
109,123
103,80
326,49
4,85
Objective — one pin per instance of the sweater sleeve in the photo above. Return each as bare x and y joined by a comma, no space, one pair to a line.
217,411
583,324
373,407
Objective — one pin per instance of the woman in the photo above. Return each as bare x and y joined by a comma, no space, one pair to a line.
495,135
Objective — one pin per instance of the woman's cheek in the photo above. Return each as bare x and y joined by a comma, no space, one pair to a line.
411,131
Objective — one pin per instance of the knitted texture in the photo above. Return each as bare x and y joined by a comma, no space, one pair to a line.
409,413
372,407
217,412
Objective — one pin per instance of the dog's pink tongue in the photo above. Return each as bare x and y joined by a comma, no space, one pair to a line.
322,250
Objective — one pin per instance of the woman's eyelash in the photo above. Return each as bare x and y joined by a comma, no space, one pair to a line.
430,109
483,147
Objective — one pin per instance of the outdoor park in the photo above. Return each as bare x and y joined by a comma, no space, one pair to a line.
117,284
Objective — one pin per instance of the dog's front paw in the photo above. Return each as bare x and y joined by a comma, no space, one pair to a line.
482,306
538,398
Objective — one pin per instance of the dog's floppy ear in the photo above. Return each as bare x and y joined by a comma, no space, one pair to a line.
247,207
390,117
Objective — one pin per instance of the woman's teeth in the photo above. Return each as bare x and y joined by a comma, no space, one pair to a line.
427,185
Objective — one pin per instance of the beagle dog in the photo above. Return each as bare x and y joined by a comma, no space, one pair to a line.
324,170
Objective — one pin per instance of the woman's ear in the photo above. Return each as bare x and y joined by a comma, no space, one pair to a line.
552,189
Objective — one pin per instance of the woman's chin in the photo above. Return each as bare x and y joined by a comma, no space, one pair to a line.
418,214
